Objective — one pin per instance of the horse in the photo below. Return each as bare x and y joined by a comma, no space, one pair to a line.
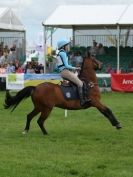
46,96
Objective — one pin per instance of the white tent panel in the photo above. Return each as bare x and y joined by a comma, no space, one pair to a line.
9,20
2,11
127,16
85,15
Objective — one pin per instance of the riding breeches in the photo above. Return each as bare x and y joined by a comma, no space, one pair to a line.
66,74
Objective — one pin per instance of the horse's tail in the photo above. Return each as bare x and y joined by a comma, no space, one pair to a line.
13,101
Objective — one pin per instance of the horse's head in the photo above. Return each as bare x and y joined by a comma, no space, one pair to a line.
91,62
97,65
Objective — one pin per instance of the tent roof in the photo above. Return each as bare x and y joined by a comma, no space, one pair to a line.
9,20
126,18
90,15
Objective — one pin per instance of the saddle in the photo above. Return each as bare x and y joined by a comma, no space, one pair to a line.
70,90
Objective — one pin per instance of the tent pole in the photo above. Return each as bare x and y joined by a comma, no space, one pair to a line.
45,47
25,44
118,48
73,35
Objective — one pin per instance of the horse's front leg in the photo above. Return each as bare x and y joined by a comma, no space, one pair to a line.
108,113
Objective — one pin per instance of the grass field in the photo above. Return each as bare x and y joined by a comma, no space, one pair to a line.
82,145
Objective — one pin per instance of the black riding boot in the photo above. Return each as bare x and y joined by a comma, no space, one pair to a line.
83,100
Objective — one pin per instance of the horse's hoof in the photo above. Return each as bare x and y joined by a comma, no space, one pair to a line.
118,126
45,133
25,132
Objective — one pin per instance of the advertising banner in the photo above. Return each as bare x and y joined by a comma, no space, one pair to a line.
122,82
15,81
35,79
19,81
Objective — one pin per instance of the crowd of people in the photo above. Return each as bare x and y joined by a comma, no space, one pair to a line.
10,63
97,49
33,67
16,67
76,58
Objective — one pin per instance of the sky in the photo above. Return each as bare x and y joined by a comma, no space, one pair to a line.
33,12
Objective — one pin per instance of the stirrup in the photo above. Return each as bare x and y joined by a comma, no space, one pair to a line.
87,100
84,102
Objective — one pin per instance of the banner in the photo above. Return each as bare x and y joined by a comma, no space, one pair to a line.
122,82
35,79
19,81
15,81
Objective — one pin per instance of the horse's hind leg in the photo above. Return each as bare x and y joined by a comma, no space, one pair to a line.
108,113
42,118
30,116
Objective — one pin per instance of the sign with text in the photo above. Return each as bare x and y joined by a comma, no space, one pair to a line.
122,82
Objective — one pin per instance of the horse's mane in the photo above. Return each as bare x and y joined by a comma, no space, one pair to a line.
87,55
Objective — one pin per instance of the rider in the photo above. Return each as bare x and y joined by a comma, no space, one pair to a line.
66,70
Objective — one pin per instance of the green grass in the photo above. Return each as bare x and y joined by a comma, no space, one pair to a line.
82,145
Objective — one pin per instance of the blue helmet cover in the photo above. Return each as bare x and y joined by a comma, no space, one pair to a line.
62,43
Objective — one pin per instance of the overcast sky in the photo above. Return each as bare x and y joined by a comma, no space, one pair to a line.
33,12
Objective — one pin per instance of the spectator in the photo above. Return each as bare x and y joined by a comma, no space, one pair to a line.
10,68
4,58
37,68
109,69
1,47
3,68
78,59
94,49
19,69
101,50
12,54
41,68
16,64
6,50
30,70
130,66
26,67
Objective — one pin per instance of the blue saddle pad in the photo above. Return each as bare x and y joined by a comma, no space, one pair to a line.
70,92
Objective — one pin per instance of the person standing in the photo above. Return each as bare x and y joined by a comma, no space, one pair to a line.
94,49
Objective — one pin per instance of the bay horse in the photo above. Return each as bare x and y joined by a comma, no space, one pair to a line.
47,95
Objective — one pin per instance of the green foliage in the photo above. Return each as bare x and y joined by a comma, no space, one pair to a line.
50,58
34,58
82,145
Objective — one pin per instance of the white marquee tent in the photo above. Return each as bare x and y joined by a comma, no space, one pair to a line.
89,15
9,20
12,31
92,16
